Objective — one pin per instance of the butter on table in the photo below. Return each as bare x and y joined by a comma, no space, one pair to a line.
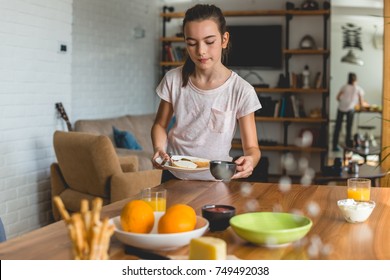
207,248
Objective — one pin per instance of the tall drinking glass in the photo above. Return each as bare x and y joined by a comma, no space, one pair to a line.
157,198
359,189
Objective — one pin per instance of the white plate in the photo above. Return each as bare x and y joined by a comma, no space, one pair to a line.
181,169
202,174
156,241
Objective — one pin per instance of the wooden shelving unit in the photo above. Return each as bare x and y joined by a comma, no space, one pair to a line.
292,90
306,52
256,13
292,119
282,148
172,39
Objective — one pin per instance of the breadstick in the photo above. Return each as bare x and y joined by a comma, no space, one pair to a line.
61,208
97,204
94,243
102,236
72,235
81,241
87,224
89,235
106,241
84,206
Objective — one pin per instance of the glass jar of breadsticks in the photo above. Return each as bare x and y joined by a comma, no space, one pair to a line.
90,236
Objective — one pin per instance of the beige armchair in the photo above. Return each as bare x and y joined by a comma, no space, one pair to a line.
89,167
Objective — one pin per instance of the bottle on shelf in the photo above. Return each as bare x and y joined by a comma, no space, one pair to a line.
306,77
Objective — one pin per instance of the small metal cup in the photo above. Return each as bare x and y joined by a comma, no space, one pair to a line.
353,167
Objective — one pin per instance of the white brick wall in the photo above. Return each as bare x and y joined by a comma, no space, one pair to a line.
106,72
113,72
33,76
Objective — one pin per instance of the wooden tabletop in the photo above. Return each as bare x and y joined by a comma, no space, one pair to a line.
365,171
362,151
331,237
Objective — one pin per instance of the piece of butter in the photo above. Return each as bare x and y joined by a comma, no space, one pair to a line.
207,248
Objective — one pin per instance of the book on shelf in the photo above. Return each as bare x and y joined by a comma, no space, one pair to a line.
276,110
296,80
291,110
294,106
318,80
293,80
180,53
175,54
169,53
282,107
286,107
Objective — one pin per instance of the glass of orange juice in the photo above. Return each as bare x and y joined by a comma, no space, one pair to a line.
359,189
157,198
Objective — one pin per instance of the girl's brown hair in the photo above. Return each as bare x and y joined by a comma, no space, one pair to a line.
197,13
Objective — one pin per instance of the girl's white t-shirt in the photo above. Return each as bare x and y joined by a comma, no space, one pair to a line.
349,97
206,120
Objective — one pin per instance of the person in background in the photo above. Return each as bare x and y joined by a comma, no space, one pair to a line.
206,98
348,97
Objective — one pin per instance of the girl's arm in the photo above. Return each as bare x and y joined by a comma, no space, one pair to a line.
362,102
159,131
251,157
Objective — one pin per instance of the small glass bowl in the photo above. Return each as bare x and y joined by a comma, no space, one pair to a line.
218,216
356,211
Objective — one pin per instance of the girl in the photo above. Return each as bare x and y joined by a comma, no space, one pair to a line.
206,99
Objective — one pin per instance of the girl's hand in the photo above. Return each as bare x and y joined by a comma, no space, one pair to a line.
162,154
244,167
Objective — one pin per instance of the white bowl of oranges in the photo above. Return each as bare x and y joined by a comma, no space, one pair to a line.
139,226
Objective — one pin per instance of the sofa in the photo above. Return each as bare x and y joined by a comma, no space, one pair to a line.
138,125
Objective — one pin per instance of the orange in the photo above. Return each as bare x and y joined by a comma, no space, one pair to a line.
177,218
137,216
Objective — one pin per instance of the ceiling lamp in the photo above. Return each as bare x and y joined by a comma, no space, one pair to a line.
350,57
352,40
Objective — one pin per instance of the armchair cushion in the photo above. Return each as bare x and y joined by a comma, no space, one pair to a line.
129,163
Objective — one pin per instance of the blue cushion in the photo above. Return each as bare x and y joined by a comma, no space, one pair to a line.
171,123
124,139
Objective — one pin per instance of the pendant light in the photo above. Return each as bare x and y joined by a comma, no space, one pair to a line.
350,57
352,40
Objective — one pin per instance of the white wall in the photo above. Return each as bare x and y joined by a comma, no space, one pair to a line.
113,72
33,76
106,72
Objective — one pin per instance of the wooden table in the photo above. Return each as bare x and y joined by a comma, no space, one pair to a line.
337,238
363,152
365,171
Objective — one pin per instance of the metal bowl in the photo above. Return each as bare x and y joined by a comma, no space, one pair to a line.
222,170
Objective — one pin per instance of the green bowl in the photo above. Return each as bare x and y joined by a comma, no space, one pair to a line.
269,228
